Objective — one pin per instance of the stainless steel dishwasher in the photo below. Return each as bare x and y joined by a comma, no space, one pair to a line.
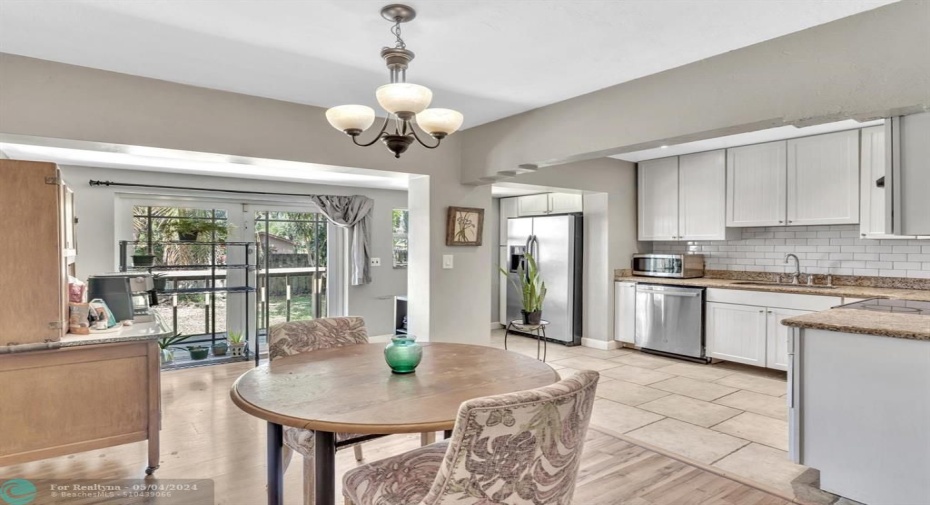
670,321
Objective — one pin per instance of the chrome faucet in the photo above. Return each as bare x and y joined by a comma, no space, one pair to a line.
797,267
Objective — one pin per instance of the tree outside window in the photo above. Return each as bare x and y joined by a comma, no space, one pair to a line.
400,224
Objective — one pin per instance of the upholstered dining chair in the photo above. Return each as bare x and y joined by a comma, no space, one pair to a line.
520,448
295,337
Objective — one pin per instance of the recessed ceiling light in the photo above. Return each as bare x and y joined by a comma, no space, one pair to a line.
663,147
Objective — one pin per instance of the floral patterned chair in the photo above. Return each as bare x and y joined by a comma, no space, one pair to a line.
296,337
519,448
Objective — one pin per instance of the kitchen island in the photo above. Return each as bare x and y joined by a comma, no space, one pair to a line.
81,393
859,398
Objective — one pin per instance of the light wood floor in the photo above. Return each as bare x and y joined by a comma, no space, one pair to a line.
205,436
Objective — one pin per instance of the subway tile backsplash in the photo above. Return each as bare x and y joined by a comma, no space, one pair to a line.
835,249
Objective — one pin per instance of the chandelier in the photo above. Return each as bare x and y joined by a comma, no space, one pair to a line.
403,101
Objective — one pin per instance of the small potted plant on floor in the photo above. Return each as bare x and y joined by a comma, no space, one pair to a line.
236,342
220,348
198,352
532,288
165,343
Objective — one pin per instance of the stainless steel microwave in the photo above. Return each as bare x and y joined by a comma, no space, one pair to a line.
679,266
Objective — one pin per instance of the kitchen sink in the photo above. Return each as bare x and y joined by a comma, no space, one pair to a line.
782,284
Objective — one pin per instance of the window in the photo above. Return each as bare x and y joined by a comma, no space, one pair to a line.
400,223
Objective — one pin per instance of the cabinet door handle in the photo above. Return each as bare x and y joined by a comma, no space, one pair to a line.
770,312
781,222
762,312
790,221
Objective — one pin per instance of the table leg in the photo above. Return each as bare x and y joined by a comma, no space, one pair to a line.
324,455
538,338
506,332
275,464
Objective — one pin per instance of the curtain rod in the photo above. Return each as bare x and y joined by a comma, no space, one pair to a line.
186,188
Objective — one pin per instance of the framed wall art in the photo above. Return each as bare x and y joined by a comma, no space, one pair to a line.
464,226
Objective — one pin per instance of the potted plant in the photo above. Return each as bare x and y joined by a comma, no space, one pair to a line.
165,343
142,257
198,352
190,230
532,288
236,342
220,348
160,281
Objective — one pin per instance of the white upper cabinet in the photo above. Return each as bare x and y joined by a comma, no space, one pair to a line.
871,196
658,199
508,210
823,179
756,185
702,196
549,203
564,203
533,205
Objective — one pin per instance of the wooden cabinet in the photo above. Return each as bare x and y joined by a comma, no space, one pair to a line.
683,198
549,203
777,335
625,311
33,270
823,179
736,333
702,196
756,185
658,199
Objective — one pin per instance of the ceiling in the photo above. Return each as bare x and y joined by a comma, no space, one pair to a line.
90,154
487,58
744,139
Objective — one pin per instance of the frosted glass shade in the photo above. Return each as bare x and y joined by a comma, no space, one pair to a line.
350,117
440,121
404,97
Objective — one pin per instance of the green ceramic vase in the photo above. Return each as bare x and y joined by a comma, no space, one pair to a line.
403,354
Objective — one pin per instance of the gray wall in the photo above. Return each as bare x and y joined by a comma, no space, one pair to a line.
97,229
867,65
51,100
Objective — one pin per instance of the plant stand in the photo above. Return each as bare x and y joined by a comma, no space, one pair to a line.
538,330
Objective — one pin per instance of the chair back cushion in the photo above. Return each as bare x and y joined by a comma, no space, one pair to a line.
517,448
295,337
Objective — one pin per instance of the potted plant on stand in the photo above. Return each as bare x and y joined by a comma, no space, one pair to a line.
142,257
198,352
236,342
532,288
165,343
190,230
220,348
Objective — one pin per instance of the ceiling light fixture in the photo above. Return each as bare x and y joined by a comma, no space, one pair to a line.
402,100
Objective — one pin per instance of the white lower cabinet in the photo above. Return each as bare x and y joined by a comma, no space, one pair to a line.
625,312
777,335
736,333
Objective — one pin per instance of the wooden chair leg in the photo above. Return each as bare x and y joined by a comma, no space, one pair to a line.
358,452
309,479
427,438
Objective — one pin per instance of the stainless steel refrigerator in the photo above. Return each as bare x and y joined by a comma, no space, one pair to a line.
556,243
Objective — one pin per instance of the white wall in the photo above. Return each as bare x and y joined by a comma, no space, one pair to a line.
97,211
836,249
493,223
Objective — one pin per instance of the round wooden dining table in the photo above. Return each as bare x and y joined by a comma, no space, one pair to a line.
350,389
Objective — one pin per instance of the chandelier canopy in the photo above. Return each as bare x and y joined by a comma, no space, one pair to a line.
405,103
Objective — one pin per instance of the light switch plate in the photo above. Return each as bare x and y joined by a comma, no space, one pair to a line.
376,262
447,261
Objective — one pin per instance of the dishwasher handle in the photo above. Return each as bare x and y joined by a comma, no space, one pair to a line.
661,290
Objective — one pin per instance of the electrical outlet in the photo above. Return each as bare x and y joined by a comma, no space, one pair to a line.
376,262
447,261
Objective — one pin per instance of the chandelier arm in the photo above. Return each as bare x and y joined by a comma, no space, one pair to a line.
413,130
377,137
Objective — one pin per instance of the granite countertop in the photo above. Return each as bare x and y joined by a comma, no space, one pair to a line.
137,332
909,326
843,291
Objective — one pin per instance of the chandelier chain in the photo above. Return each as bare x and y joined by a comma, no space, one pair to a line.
399,44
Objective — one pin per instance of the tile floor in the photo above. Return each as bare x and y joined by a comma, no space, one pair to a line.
726,415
